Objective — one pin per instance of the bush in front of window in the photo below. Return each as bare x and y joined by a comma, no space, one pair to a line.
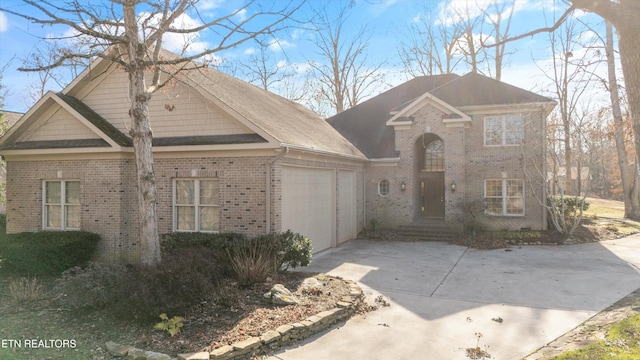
218,243
180,281
46,253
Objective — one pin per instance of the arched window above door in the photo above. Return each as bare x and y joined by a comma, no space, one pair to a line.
434,156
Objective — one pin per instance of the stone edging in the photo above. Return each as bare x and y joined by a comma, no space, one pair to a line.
271,340
591,330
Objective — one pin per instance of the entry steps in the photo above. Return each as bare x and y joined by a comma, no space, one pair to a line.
427,230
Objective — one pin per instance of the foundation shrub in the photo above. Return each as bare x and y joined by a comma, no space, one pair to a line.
215,245
95,286
46,253
181,280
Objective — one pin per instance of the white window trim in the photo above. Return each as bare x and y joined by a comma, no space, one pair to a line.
388,187
63,204
504,198
196,205
502,119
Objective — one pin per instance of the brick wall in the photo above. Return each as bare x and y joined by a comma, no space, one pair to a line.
105,198
467,163
507,162
108,195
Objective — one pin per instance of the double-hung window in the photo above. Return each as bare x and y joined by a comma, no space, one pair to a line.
61,205
504,197
195,205
503,130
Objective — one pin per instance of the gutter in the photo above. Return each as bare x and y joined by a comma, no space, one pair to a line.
324,152
268,186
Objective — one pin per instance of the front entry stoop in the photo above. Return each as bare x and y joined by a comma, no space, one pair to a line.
427,230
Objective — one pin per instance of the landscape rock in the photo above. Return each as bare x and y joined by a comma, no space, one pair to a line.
116,349
280,295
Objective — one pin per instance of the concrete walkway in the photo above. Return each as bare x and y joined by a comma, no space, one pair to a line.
444,296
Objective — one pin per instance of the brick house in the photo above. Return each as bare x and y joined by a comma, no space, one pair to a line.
231,157
448,146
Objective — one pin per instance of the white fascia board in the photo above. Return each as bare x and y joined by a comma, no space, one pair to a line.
384,162
509,108
24,119
87,123
418,103
323,152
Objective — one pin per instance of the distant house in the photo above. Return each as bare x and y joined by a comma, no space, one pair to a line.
580,180
230,157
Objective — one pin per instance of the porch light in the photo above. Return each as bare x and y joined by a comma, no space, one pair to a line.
453,186
403,186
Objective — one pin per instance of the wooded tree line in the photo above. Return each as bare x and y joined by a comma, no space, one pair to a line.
340,74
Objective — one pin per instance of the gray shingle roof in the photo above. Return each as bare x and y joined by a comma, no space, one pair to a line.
286,121
97,120
365,124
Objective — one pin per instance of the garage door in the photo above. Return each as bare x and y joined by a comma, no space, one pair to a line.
308,204
346,205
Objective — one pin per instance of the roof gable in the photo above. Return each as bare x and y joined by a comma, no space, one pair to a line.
365,125
58,121
369,125
201,106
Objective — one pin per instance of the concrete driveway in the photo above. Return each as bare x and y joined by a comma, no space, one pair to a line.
443,296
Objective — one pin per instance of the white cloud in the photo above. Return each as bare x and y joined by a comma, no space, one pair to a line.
249,51
189,43
278,45
209,4
4,23
241,14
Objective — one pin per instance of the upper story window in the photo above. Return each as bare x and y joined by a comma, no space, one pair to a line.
503,130
61,205
434,156
195,205
383,187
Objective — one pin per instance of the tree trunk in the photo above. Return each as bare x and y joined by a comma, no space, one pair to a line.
624,16
630,59
618,123
142,138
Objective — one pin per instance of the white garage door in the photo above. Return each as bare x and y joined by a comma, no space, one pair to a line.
308,204
346,205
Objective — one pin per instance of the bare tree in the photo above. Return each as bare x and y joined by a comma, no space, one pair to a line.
134,31
629,178
623,14
278,76
344,76
431,47
52,77
503,13
570,81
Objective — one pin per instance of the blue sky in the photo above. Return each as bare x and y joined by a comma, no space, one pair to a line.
387,22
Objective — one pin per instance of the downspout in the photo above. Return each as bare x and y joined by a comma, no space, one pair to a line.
364,196
268,186
544,170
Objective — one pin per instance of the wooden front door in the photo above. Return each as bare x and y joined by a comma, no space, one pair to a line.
432,196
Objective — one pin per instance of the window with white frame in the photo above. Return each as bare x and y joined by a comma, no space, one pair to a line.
61,204
195,205
383,187
504,197
503,130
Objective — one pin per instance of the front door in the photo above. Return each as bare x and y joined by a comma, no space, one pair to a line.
432,196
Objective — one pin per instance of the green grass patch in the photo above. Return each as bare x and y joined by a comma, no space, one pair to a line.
622,342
